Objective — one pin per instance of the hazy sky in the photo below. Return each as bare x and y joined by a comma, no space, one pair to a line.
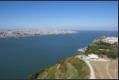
75,15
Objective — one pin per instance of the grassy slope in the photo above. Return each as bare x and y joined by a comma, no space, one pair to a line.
69,68
102,48
74,68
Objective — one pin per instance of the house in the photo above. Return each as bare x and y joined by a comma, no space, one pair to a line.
93,56
89,56
110,40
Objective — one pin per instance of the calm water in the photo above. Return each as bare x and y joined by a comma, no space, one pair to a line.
20,57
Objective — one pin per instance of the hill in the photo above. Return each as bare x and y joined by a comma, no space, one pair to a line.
77,68
104,46
69,68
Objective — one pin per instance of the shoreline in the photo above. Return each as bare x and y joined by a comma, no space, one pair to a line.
24,33
89,62
88,59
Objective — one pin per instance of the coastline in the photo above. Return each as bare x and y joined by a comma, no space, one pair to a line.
89,62
23,33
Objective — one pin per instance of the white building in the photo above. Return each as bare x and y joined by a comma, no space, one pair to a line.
110,40
93,56
90,56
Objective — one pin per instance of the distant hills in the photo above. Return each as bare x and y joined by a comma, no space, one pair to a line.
23,33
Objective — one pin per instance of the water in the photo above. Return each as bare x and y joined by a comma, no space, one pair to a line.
20,57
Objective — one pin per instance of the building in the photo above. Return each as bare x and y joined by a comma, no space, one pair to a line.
93,56
89,56
110,40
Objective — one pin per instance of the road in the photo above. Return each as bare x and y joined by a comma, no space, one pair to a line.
92,73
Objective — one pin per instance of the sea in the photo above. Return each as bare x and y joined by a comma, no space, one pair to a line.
21,57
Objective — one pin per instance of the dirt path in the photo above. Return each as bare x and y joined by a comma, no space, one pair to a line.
113,68
100,69
92,74
107,69
103,69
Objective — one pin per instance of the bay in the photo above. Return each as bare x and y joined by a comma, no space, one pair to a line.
20,57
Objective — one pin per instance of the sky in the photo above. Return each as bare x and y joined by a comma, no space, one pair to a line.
59,15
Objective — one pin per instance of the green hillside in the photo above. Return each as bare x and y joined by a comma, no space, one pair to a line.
69,68
75,68
103,49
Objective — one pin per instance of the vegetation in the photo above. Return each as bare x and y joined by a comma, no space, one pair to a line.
102,48
69,68
75,68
